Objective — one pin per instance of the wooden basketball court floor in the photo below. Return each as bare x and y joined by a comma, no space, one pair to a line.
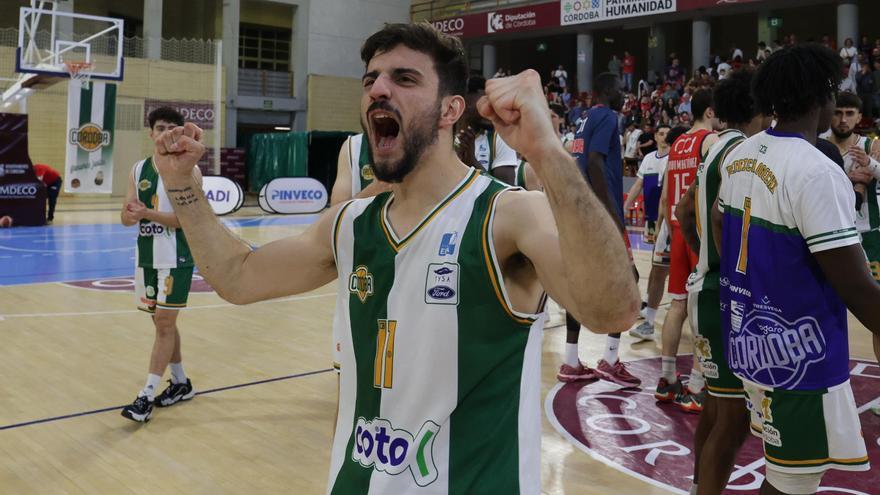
71,357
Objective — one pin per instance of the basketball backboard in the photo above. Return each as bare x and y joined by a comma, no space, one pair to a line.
49,40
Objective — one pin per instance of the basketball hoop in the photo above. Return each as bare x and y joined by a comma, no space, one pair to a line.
79,70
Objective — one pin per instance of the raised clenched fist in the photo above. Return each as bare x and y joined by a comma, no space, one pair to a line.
178,150
517,108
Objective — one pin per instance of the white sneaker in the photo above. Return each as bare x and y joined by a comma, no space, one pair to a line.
644,331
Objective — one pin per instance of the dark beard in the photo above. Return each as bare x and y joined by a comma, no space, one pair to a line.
841,135
417,139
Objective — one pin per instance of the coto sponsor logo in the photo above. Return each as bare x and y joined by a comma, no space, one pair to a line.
151,229
16,191
454,25
90,137
378,445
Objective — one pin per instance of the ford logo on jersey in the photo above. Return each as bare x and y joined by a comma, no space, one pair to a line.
378,445
441,292
441,284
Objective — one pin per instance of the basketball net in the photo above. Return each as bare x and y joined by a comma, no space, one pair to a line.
79,70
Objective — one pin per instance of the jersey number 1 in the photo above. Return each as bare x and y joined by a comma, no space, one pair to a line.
742,260
384,366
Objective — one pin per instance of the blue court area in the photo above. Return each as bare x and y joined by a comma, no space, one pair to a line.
32,255
67,253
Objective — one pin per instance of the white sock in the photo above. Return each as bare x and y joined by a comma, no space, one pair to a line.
611,346
177,374
151,386
642,312
650,314
667,369
697,382
571,354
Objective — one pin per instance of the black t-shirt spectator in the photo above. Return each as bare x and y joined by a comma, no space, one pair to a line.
647,137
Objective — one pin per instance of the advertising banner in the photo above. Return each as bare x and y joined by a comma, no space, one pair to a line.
707,4
513,20
583,11
200,113
22,195
91,118
224,195
293,195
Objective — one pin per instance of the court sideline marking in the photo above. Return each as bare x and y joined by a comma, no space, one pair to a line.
203,392
134,311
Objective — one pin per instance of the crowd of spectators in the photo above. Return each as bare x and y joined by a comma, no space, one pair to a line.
665,98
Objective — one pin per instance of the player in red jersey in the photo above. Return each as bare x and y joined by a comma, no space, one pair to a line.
685,156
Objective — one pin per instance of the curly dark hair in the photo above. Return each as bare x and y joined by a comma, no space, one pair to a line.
795,80
733,98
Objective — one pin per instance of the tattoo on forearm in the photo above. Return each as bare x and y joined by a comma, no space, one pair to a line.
183,197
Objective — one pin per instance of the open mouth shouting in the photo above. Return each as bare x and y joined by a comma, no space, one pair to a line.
385,127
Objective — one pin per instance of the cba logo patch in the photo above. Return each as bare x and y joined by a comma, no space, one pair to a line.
361,283
367,172
144,185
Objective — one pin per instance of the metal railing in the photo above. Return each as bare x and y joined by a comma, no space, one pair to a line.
438,9
255,82
193,51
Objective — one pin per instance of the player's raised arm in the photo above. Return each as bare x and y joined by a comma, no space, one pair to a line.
238,274
581,260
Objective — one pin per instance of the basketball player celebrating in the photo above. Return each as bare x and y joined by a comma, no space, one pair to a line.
685,156
597,150
860,155
791,265
163,275
724,422
441,281
354,174
650,171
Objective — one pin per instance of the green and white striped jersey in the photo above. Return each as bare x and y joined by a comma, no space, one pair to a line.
440,382
868,217
359,163
708,183
158,246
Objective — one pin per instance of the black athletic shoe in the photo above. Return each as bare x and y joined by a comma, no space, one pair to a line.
175,393
140,410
